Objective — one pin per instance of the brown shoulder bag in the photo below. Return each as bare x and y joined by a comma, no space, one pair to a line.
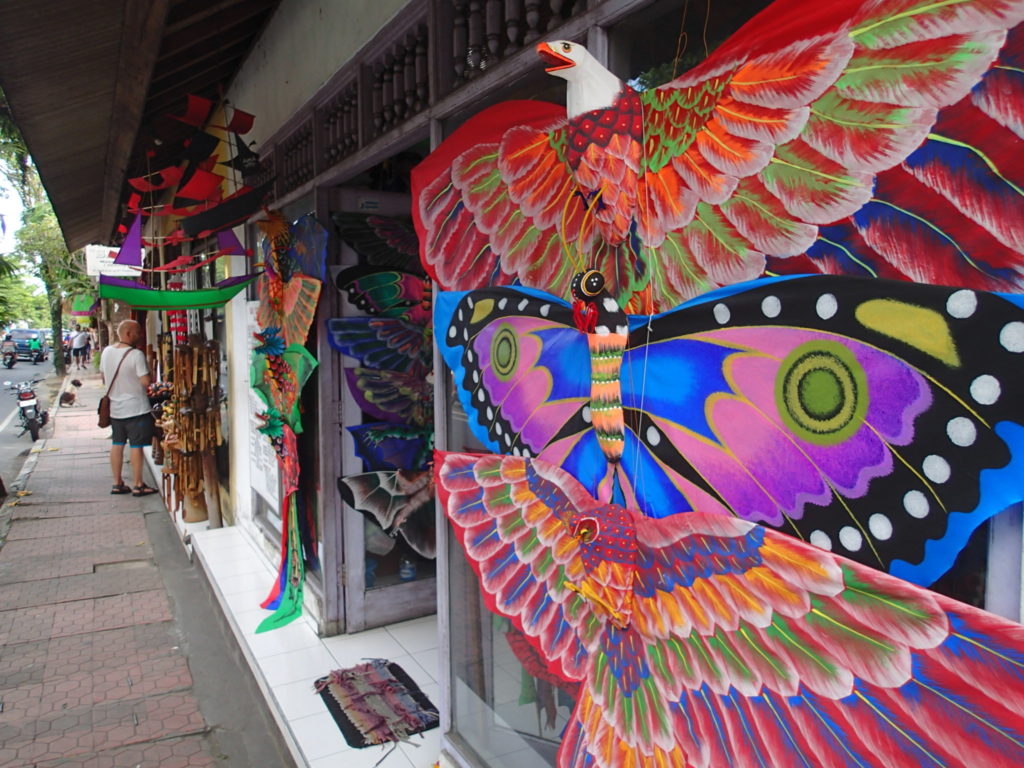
103,411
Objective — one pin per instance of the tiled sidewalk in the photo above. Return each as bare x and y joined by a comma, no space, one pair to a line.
91,668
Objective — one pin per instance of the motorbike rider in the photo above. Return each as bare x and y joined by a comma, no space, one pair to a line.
8,350
35,347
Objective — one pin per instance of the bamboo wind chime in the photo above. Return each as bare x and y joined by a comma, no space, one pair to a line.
192,430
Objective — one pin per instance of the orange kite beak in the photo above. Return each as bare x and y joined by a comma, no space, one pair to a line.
551,57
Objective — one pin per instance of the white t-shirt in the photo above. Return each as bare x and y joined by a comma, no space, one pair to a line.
80,339
128,397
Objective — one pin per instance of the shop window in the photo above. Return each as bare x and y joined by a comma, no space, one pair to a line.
505,712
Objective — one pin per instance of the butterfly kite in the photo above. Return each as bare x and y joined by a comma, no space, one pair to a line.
871,417
876,138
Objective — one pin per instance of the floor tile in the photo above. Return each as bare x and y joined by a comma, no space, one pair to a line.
304,664
318,736
367,757
293,637
430,663
349,650
240,602
416,635
424,748
414,670
247,621
298,699
243,582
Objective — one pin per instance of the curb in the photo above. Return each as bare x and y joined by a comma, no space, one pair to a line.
21,481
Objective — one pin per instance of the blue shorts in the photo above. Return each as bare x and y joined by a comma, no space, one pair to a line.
137,431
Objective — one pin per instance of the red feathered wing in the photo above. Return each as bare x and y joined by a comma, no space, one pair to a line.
782,145
741,646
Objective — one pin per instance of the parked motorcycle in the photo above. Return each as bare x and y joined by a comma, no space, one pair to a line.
30,418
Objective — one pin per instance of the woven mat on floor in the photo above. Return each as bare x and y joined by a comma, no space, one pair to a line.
375,703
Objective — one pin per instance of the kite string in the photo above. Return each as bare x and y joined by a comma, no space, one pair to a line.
645,208
682,41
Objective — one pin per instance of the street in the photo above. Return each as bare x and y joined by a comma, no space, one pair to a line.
14,446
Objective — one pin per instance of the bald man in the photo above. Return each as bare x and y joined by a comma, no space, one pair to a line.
126,375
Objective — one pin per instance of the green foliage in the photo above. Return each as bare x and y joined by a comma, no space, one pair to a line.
40,248
22,304
15,163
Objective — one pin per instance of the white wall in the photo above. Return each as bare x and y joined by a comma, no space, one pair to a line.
237,388
305,43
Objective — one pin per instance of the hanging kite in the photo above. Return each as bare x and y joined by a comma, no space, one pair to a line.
279,378
290,305
285,597
872,417
386,445
139,296
382,342
407,398
399,501
871,138
309,247
281,365
381,241
704,640
387,293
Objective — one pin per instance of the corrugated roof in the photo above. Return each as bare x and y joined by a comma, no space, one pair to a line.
86,82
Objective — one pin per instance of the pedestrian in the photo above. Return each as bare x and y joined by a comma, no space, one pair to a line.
126,374
79,346
89,345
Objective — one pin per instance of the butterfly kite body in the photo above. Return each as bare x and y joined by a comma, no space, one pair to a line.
872,417
868,138
705,640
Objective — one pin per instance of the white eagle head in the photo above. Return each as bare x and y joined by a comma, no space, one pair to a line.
590,85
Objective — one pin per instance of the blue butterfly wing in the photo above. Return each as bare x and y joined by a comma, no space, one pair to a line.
383,446
727,407
522,372
386,343
309,247
728,397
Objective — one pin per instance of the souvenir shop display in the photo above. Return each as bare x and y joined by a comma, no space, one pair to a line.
189,421
718,487
289,288
394,386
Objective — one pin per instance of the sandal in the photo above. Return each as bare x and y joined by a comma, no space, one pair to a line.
143,490
120,489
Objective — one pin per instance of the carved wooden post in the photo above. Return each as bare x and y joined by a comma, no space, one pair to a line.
409,74
493,17
378,103
398,82
460,36
513,28
532,21
475,56
422,70
348,119
386,77
556,14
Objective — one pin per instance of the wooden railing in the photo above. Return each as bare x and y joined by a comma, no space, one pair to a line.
485,31
398,76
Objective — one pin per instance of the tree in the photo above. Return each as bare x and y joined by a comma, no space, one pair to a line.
40,246
20,303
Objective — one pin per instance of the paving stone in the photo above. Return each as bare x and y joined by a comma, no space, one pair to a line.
113,581
92,667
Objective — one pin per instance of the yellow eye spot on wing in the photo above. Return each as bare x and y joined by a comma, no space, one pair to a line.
923,328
